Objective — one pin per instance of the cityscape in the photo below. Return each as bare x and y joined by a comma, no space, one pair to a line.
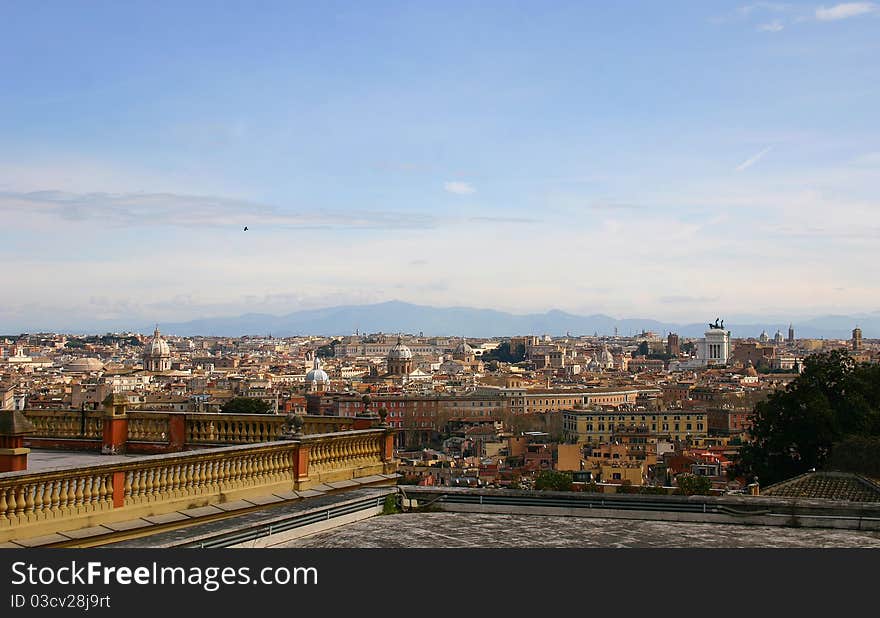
405,275
648,414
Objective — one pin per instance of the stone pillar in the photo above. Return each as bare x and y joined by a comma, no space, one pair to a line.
115,425
388,452
177,432
13,427
301,465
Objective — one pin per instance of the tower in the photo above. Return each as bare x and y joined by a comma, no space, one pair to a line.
673,346
857,339
790,333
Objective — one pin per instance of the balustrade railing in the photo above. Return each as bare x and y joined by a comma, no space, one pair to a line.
148,427
66,424
54,500
199,429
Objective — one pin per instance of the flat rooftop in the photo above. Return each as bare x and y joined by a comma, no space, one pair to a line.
426,530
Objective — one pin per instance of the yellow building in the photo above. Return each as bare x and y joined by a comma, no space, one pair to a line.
600,426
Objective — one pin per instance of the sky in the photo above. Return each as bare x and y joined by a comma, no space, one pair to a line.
670,160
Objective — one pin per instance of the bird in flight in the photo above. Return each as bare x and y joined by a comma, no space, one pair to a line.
245,228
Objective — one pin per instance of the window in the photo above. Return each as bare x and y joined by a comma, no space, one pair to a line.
688,426
615,476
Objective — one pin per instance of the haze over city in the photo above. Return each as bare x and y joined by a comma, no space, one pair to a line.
629,160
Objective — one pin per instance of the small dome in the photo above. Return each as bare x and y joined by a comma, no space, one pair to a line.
399,351
317,375
751,371
84,365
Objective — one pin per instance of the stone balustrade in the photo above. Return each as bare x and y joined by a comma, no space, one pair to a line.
37,503
148,427
66,424
160,432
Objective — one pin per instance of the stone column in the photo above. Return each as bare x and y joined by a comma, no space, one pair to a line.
13,427
115,425
177,432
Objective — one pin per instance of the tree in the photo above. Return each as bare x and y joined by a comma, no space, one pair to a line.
858,454
694,485
504,354
553,481
246,405
796,429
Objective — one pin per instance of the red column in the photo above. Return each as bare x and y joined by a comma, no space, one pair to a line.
388,454
115,436
115,425
13,427
13,455
301,464
118,489
177,431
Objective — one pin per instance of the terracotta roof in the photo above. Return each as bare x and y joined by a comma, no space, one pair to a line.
827,486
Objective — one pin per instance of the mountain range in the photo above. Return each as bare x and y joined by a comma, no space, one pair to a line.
397,316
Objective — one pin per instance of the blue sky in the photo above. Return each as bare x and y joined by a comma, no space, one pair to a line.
666,160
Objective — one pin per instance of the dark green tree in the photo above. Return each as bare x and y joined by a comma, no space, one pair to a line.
693,484
553,481
795,429
246,405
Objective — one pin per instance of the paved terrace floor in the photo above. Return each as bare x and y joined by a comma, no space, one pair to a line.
39,459
426,530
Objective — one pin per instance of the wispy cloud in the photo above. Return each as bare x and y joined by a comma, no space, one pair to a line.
773,26
845,10
198,211
458,187
752,160
676,300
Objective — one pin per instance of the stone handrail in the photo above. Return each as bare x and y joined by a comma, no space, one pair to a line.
68,424
147,427
35,503
197,429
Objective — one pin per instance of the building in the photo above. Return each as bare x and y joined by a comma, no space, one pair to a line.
602,426
673,345
157,356
317,379
857,339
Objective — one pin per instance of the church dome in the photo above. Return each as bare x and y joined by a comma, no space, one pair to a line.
399,351
751,371
463,349
158,347
317,375
84,365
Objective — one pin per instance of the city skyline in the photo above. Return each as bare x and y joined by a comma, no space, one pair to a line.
626,161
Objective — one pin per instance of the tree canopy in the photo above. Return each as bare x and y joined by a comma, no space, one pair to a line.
553,481
246,405
796,429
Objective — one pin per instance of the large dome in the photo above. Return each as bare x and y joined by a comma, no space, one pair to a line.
159,347
84,365
399,351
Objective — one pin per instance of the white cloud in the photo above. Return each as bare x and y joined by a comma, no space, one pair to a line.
773,26
752,160
845,10
200,211
458,187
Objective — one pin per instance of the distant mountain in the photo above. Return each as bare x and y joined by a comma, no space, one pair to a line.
394,316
